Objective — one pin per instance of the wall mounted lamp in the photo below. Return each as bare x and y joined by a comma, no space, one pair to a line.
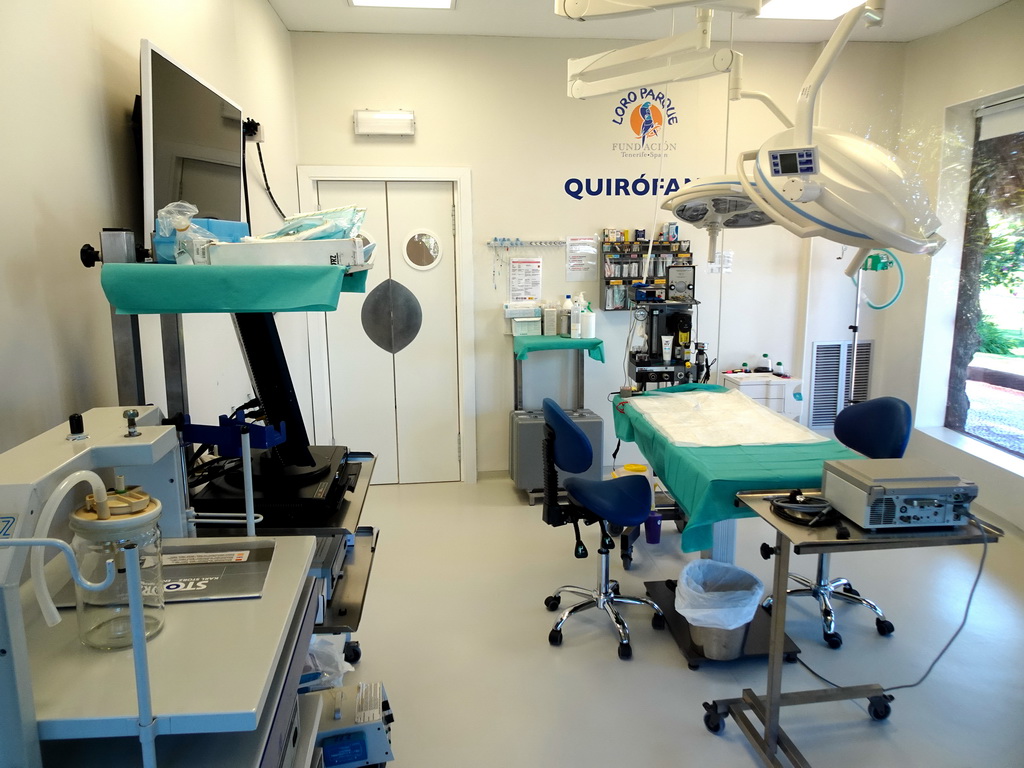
375,122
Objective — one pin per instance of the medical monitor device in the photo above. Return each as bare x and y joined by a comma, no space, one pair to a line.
897,493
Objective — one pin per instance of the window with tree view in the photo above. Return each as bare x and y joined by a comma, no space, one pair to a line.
986,385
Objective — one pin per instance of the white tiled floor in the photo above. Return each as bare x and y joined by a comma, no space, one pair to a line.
456,629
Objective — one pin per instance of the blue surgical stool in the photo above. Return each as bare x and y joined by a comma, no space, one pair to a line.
615,505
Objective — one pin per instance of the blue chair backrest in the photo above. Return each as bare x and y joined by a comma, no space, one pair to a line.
878,428
573,451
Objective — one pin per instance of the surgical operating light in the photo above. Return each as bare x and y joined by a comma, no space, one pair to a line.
814,181
820,182
715,203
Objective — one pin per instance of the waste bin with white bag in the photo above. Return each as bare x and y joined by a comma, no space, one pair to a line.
718,601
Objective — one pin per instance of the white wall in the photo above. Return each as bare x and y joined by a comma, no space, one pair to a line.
498,106
71,71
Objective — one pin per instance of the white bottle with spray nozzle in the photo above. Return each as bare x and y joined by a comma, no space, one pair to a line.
588,321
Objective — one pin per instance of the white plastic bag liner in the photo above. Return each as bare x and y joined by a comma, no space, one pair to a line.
719,595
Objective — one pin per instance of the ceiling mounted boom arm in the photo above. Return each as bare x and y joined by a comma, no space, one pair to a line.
871,13
683,57
581,10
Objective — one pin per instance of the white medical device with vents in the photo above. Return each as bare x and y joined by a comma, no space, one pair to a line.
897,493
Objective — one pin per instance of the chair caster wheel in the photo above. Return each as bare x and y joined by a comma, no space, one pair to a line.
879,708
714,722
833,639
625,651
555,637
627,562
789,658
884,627
551,602
851,591
658,621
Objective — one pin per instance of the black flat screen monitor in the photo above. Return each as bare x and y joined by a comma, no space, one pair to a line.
191,142
192,150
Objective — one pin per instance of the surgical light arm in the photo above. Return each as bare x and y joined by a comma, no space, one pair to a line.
687,56
581,10
872,14
595,75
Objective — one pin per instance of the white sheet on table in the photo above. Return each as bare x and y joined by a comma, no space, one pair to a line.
701,418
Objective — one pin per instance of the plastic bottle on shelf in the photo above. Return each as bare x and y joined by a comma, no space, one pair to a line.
550,321
575,319
766,363
780,369
563,316
588,322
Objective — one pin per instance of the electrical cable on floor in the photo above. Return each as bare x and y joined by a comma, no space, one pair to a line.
967,608
963,622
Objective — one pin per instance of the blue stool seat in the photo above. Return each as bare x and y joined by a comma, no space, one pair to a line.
622,501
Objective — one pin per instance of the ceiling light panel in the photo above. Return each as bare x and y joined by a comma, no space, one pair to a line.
444,5
807,9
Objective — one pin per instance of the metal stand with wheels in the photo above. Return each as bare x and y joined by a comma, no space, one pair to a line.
805,540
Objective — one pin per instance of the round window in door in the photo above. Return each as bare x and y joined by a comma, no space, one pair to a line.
423,250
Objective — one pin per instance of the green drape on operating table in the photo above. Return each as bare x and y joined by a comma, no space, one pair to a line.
705,481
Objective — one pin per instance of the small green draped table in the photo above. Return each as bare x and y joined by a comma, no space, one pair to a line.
178,289
522,346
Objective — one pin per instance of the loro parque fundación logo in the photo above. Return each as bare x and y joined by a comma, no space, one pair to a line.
644,112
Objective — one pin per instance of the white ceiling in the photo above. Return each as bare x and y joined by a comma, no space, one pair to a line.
904,20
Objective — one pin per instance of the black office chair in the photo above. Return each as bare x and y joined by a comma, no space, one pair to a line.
879,429
614,505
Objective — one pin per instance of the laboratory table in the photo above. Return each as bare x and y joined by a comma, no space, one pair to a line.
805,540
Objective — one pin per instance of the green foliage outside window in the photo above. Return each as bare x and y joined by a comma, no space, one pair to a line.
994,340
1003,263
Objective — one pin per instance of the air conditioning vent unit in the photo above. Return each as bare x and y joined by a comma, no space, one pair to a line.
831,373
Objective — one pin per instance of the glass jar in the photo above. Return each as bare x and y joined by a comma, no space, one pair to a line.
104,620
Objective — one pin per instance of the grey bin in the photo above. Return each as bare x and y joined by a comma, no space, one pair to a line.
718,601
719,644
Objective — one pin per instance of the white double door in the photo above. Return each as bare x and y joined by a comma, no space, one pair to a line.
391,384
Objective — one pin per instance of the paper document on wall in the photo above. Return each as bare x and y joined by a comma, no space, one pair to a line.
708,419
524,279
581,259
